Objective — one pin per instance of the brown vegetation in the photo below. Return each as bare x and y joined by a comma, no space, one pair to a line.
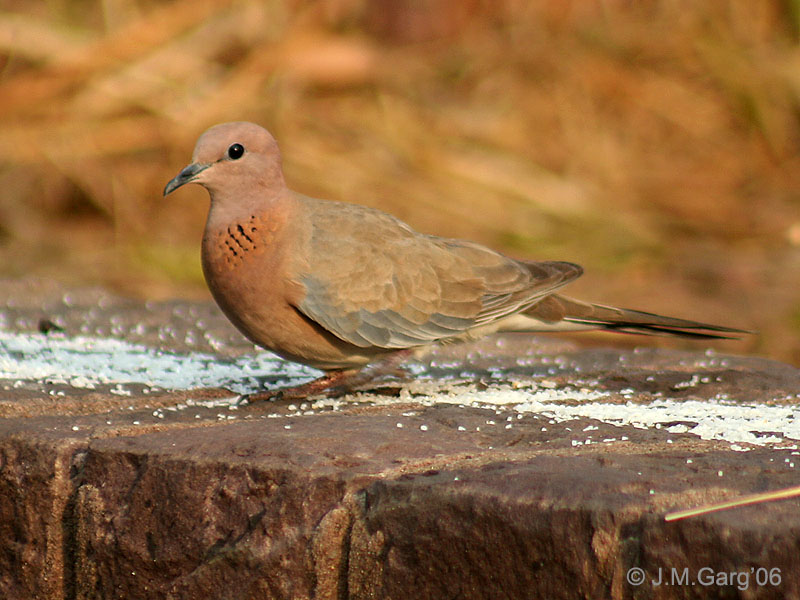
655,142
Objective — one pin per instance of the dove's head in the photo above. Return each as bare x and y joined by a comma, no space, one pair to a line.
233,159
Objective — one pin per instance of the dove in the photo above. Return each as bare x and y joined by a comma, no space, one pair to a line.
338,286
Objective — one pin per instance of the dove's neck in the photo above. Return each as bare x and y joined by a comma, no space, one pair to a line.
236,206
239,228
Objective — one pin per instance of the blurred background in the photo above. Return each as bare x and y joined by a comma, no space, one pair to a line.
655,142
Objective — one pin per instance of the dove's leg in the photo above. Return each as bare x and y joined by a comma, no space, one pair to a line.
338,383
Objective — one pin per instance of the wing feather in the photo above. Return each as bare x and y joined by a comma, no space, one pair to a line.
373,281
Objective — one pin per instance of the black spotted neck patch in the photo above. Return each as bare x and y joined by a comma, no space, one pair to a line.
242,240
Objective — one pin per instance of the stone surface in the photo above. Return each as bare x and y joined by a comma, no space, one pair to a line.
406,493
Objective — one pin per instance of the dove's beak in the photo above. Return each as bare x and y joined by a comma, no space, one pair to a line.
187,175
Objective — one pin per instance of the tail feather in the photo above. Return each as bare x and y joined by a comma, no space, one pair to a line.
626,320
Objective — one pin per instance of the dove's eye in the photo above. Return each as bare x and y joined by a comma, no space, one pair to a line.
235,151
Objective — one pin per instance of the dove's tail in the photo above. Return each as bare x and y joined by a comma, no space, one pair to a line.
561,313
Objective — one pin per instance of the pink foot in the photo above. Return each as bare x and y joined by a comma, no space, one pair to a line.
336,383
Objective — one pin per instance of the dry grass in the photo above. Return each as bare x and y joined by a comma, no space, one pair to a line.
655,142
